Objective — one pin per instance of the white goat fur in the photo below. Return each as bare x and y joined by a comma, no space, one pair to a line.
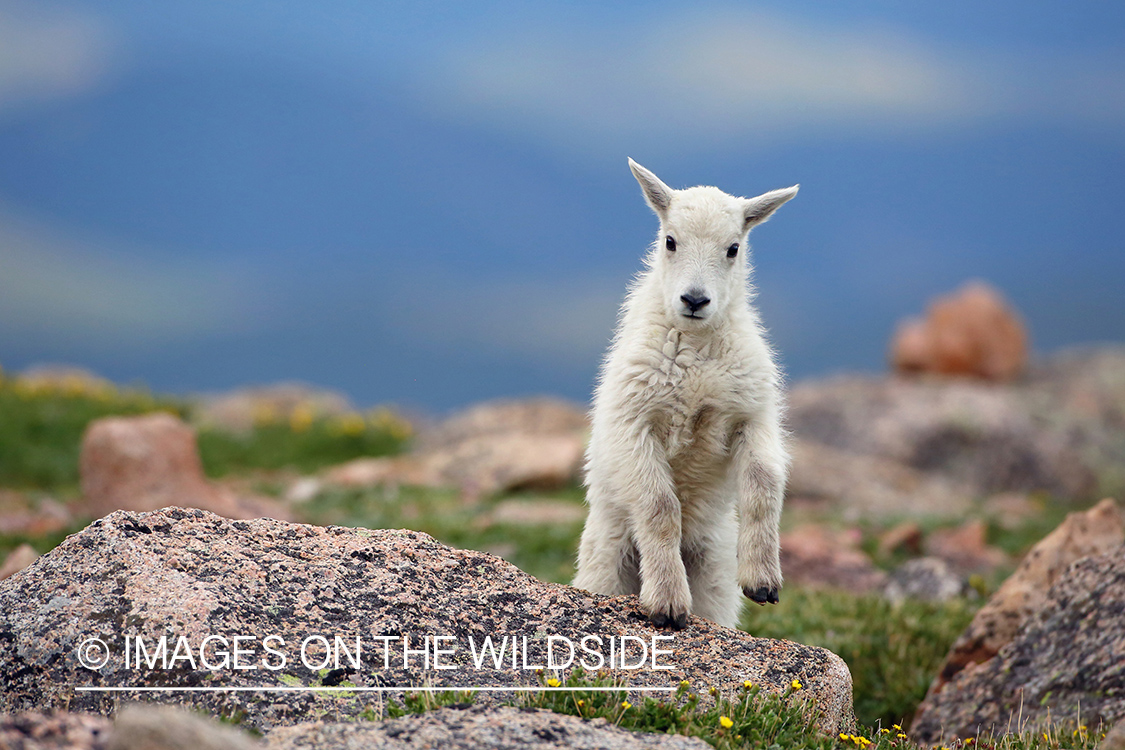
687,461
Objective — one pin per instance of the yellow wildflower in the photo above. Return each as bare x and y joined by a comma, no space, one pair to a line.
351,424
265,413
796,684
626,705
747,684
725,722
301,418
552,682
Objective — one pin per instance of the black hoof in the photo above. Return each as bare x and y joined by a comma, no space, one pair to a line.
666,619
762,594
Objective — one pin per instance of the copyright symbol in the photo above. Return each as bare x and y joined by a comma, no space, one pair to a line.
93,653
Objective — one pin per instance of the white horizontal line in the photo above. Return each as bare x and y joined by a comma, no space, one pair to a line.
484,689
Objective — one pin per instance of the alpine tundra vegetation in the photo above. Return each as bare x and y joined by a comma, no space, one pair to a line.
687,461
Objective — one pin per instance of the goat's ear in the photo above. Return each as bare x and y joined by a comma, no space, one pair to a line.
757,210
657,194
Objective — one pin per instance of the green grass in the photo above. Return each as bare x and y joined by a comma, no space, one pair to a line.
893,652
275,446
750,718
41,431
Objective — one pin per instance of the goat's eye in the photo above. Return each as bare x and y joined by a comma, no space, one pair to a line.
670,243
732,250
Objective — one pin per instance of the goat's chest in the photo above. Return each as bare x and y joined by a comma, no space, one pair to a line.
694,402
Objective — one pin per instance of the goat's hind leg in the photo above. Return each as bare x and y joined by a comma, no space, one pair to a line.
607,557
712,575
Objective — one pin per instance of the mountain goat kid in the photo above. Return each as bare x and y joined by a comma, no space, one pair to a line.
687,462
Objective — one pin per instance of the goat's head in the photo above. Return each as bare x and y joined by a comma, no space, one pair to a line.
700,256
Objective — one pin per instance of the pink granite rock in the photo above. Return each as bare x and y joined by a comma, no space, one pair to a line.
1064,663
1093,532
191,574
151,461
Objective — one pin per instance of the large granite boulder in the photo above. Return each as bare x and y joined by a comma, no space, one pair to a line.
873,446
1093,532
235,601
1064,663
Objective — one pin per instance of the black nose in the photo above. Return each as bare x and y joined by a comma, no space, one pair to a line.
695,300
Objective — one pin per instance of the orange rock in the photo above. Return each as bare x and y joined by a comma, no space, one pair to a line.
151,461
965,548
906,536
972,332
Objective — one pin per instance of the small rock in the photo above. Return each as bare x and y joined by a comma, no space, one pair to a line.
20,515
929,579
151,461
17,560
814,555
965,549
488,728
149,727
490,448
1115,738
905,537
410,469
1010,510
304,489
520,512
533,416
971,332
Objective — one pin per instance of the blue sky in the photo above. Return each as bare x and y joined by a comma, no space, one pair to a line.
428,203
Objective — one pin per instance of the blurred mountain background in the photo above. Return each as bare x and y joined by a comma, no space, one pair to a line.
428,203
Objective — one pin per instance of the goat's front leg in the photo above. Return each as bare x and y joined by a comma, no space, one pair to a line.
656,518
762,466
